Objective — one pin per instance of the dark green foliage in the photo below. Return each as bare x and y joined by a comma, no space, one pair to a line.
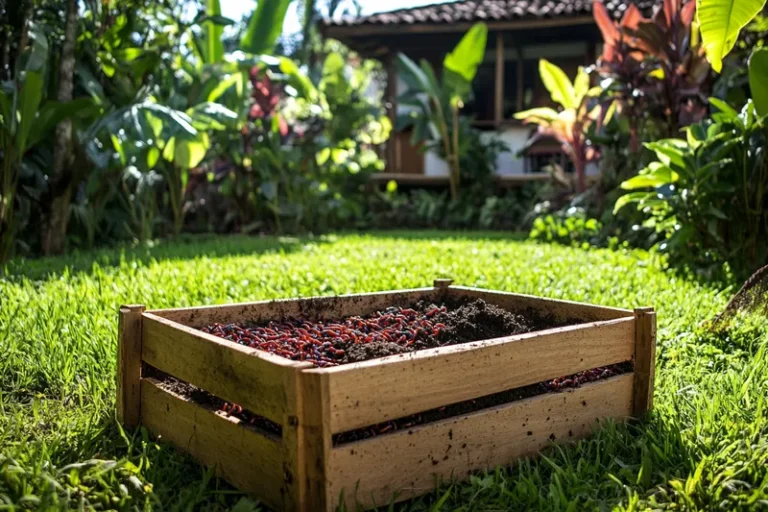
708,192
419,209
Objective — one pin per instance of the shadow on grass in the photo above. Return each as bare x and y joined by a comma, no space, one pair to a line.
185,248
212,246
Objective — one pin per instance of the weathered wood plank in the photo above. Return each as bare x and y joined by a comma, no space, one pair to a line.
370,392
370,472
248,377
306,443
248,459
129,365
315,308
645,360
559,310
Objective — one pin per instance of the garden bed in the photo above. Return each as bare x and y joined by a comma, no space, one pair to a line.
472,379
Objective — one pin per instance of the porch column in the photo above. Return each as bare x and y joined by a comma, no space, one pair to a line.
520,82
391,98
499,95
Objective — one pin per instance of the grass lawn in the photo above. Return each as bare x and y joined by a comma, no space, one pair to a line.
705,446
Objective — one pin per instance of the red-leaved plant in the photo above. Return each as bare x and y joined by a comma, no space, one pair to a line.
654,67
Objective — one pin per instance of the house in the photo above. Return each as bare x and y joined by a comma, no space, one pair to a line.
520,32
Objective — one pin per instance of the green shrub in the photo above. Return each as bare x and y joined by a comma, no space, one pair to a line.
707,194
570,227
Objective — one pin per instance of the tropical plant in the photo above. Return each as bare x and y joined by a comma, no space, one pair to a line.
436,105
571,124
721,22
707,194
654,68
25,119
570,227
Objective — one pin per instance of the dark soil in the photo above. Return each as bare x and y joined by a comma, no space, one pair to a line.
459,409
211,402
392,331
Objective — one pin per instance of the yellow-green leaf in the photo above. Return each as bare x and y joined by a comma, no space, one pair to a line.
541,113
720,22
758,80
469,53
558,84
581,85
189,153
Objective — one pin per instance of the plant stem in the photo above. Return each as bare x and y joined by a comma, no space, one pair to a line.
456,161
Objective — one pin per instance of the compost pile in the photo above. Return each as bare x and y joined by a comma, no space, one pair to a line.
395,330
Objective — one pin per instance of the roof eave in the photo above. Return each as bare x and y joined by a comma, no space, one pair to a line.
341,32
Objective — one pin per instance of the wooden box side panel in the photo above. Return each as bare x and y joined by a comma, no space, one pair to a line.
371,472
252,379
249,460
371,392
560,310
316,308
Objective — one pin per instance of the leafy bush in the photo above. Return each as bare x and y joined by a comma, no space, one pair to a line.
708,192
429,209
572,228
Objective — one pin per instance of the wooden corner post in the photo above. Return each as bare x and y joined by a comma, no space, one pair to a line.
442,285
129,365
307,444
645,361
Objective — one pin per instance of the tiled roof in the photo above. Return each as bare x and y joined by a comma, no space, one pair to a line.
490,10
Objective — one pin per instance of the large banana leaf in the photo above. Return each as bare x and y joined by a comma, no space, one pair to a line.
213,50
265,26
558,84
758,80
720,22
460,66
29,99
469,53
53,112
187,153
414,76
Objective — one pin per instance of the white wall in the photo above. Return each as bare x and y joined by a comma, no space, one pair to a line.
508,163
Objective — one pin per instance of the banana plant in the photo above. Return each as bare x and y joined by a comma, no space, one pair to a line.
721,22
570,124
436,106
25,119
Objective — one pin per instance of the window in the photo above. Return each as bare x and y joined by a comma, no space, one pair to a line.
481,106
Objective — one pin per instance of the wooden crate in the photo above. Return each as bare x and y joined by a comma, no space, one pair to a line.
301,469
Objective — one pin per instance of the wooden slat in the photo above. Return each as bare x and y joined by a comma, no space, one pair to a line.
251,461
248,377
370,472
129,365
370,392
311,307
559,310
306,443
645,360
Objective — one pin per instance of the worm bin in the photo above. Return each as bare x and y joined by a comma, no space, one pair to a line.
300,436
